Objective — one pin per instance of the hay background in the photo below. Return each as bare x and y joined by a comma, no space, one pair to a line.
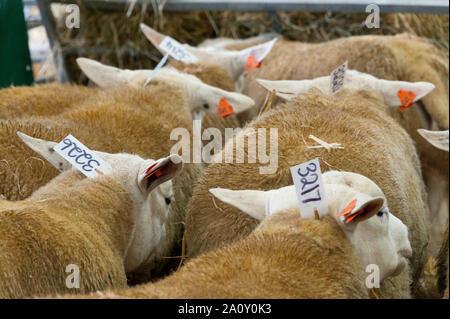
114,39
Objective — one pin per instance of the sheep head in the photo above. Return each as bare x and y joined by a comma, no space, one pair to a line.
201,97
235,62
357,204
148,182
354,80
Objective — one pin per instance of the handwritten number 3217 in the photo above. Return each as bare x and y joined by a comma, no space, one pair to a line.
310,169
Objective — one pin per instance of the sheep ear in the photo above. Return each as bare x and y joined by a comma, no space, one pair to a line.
392,91
152,175
260,51
232,102
361,208
152,35
251,202
45,149
157,40
438,139
107,76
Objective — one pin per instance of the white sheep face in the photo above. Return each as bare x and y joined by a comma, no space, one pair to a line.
232,61
377,236
354,80
148,182
201,96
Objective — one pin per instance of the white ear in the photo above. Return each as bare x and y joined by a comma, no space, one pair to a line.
260,51
158,172
438,139
154,37
362,207
239,102
107,76
390,90
45,149
158,40
251,202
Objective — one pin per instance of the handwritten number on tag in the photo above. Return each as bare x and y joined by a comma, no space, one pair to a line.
86,166
304,181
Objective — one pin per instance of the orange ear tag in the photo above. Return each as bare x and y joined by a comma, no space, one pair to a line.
225,108
350,218
347,210
406,98
252,63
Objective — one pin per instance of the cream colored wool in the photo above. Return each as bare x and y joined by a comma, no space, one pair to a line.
72,220
286,257
41,100
374,146
402,57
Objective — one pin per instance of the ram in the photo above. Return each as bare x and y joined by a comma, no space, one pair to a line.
96,228
290,257
371,144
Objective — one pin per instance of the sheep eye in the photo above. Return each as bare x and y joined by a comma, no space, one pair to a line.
206,106
380,214
168,201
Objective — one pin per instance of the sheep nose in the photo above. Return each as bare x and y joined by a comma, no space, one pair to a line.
407,253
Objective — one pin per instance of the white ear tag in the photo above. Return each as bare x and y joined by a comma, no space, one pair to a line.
81,157
337,77
310,189
176,50
156,69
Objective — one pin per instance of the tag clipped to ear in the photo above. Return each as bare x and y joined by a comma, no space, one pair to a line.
176,50
337,77
225,108
252,63
348,214
406,98
81,157
153,172
310,189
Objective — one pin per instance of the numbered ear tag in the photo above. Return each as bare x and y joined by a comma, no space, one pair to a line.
337,77
406,98
81,157
176,50
310,189
225,108
252,63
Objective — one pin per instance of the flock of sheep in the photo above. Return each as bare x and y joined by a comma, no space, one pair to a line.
223,229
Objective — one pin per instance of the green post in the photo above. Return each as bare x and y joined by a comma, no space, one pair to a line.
15,62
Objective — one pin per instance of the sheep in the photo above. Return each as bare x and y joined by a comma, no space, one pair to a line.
41,100
200,96
135,121
287,256
104,227
373,145
402,57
